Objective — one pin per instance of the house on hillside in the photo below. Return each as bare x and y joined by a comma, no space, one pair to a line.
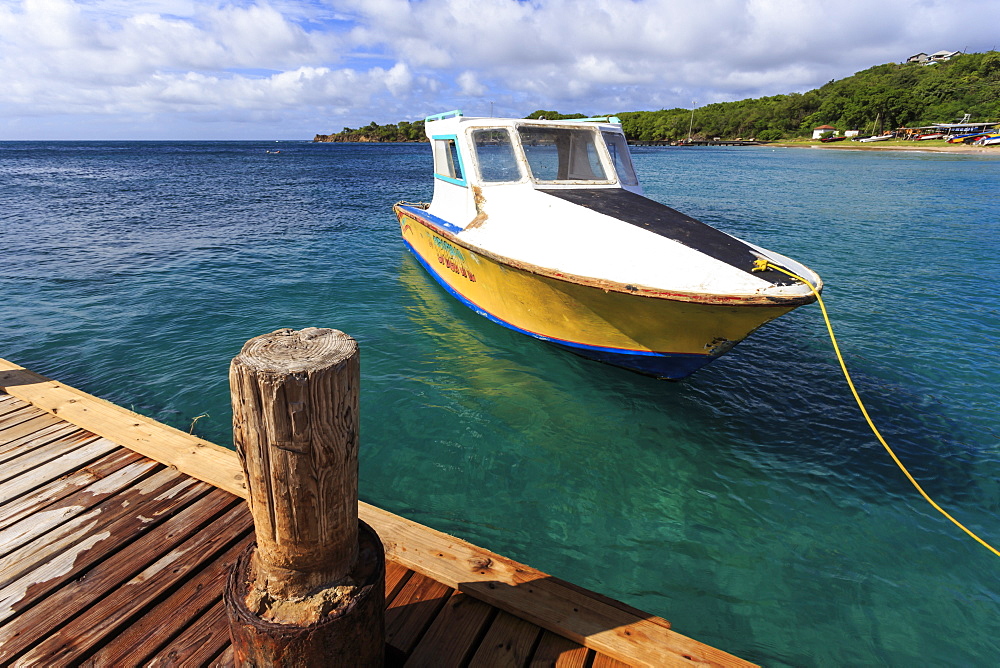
942,56
818,132
939,57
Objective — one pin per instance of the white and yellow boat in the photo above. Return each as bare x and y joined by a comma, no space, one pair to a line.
541,226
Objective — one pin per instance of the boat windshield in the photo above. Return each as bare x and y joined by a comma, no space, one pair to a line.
562,154
620,158
495,156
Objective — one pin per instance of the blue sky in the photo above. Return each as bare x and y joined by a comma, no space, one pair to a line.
288,69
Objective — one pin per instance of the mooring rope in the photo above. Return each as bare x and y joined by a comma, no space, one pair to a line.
762,265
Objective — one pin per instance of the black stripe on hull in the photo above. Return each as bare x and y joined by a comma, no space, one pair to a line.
660,219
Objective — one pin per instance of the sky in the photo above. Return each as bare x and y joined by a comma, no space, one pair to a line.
289,69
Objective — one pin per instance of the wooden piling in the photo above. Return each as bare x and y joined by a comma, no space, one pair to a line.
310,592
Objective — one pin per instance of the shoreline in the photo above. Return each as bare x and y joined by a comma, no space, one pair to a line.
962,149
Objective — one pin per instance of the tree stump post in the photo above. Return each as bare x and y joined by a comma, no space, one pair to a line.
311,591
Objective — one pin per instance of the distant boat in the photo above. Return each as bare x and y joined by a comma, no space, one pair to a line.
830,139
541,227
967,139
878,138
933,135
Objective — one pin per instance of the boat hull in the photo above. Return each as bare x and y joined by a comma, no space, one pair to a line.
651,334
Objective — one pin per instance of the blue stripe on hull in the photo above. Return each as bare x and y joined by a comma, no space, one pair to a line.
672,366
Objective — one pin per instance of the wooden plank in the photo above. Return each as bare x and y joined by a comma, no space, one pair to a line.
56,456
190,541
47,562
76,458
194,456
507,644
16,417
204,639
554,651
602,661
18,446
396,576
224,660
409,614
454,634
147,636
56,490
43,521
9,403
28,427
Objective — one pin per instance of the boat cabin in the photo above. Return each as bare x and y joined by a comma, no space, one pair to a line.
473,156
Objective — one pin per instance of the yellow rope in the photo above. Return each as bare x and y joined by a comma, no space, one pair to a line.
763,264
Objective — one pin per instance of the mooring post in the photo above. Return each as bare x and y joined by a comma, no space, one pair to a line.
311,591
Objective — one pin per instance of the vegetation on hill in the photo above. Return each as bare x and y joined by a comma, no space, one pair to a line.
879,98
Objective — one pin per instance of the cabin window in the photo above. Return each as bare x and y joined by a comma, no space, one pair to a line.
620,158
562,154
447,160
495,155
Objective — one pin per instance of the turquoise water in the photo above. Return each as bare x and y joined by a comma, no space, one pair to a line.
748,504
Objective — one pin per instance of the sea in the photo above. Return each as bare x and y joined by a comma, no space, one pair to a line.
749,504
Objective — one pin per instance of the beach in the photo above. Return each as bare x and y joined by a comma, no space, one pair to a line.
934,146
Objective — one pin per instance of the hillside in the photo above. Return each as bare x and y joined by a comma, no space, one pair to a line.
882,97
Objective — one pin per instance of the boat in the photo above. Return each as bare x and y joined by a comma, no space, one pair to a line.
876,138
967,138
932,135
542,227
988,140
827,140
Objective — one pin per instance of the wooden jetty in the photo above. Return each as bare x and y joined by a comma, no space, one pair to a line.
117,533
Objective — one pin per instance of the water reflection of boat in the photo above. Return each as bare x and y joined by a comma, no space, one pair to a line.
541,227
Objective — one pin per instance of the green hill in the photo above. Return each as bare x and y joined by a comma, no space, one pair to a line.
882,97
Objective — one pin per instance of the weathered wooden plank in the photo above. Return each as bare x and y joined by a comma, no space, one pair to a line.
56,458
43,521
454,633
178,546
16,417
46,562
6,399
56,490
148,635
81,455
18,446
30,426
554,651
602,661
224,660
409,614
204,639
507,644
194,456
396,576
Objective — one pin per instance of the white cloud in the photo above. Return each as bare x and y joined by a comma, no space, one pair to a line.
244,60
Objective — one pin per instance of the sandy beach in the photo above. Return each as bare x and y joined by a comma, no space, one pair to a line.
929,146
